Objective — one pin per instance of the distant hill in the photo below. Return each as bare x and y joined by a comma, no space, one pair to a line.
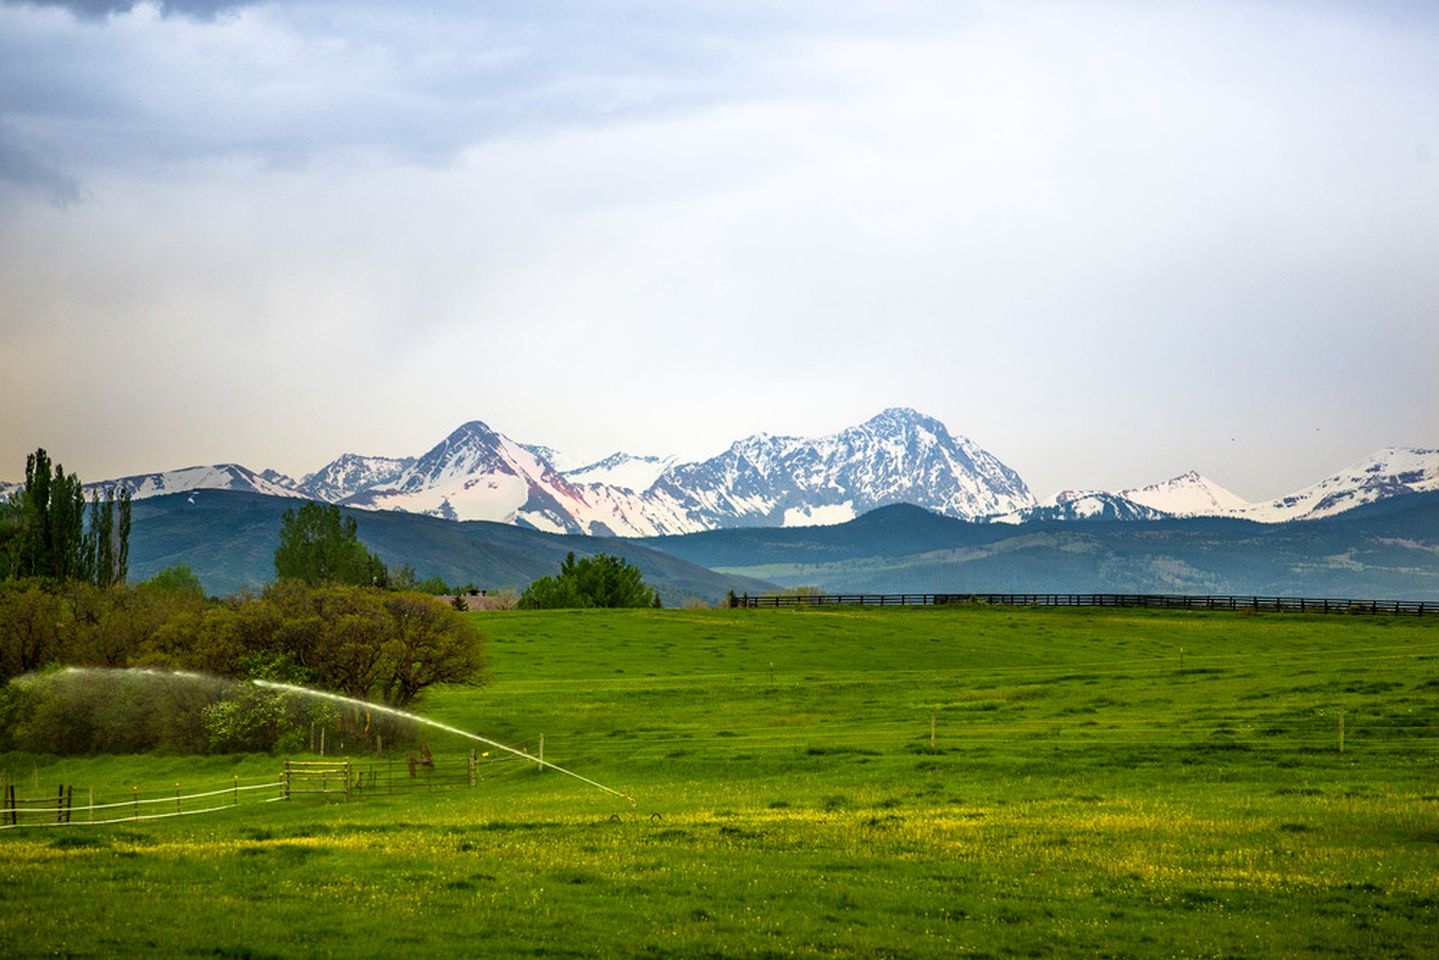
228,539
1386,549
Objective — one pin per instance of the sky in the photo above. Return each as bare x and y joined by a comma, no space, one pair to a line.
1108,241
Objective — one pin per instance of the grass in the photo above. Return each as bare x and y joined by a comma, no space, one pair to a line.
1085,793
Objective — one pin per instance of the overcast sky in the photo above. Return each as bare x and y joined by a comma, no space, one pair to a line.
1107,241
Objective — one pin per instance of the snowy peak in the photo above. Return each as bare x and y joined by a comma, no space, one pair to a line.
623,470
220,476
560,461
1091,505
898,456
477,473
1389,473
1190,494
898,420
350,474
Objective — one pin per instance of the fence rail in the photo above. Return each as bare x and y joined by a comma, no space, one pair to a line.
1160,601
343,778
62,807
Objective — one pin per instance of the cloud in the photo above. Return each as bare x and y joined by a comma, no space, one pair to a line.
24,165
1095,238
96,9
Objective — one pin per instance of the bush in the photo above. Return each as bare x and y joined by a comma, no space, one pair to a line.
369,644
598,581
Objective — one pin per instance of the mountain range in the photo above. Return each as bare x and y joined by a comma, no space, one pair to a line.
900,456
228,539
1385,549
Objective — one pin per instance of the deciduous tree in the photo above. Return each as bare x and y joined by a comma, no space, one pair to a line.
598,581
318,546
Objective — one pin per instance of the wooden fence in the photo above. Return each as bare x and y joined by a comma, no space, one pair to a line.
427,772
1159,601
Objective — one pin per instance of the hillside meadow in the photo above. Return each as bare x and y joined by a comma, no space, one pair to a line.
876,782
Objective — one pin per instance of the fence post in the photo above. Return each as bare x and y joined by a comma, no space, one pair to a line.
542,753
177,796
285,780
60,805
135,796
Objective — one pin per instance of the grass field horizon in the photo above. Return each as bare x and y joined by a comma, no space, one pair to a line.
898,782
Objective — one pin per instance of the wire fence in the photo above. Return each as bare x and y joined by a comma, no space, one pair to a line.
342,778
62,809
1156,601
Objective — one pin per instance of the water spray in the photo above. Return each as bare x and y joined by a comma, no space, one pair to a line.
149,673
405,715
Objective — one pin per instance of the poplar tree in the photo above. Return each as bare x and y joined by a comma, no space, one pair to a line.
43,531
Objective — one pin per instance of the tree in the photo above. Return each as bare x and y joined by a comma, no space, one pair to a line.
381,646
107,542
43,532
32,619
318,547
177,581
52,522
598,581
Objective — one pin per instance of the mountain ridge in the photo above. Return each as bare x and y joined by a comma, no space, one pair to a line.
898,456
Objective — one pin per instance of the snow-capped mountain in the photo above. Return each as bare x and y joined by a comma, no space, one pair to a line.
558,459
1389,473
477,473
350,474
1089,505
220,476
899,456
622,470
1190,494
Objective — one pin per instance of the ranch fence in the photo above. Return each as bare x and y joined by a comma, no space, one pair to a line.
425,772
343,779
1159,601
64,807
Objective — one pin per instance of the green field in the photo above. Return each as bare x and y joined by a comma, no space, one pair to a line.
902,782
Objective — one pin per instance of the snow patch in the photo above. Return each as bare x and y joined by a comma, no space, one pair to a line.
819,516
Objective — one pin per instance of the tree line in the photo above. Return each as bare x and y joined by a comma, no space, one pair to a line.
334,618
331,620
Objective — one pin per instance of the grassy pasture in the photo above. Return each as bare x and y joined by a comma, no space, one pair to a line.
898,782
